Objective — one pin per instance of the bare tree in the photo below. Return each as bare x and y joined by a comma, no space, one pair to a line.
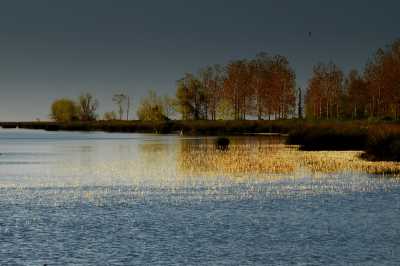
119,100
299,106
87,107
128,106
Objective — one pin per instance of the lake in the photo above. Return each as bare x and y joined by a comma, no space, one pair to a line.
78,198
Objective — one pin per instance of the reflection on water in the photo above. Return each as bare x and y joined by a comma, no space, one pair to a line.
241,159
99,198
43,159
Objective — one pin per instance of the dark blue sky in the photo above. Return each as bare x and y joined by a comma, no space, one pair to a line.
51,49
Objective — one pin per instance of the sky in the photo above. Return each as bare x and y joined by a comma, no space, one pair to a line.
52,49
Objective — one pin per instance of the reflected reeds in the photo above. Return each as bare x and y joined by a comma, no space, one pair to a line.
198,161
237,160
185,161
276,158
339,161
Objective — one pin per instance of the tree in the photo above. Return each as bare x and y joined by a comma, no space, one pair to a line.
383,82
128,106
283,83
110,116
212,81
64,110
325,92
236,87
225,110
87,107
151,108
191,99
119,100
356,96
299,105
169,105
261,85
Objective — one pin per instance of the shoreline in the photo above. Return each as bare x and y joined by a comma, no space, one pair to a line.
379,139
200,127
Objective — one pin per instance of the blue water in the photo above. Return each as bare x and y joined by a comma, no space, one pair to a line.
56,209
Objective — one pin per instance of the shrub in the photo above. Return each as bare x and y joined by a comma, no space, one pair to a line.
383,144
64,110
329,138
222,143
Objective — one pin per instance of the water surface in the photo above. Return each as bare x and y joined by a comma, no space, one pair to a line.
133,199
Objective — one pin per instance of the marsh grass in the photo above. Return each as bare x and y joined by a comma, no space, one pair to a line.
277,159
349,161
239,159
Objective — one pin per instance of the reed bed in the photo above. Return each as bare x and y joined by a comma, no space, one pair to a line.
239,159
204,164
276,159
339,161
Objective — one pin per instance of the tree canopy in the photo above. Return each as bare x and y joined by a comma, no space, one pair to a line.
67,110
151,108
64,110
262,87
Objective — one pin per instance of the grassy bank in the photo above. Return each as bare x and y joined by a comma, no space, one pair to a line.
380,141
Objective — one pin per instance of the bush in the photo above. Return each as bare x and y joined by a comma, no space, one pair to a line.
329,138
64,110
383,145
222,143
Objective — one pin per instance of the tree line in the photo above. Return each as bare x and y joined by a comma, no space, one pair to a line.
374,93
67,110
263,87
85,108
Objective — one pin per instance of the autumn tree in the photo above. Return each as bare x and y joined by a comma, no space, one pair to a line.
237,89
325,92
225,110
356,96
283,93
272,83
383,83
261,83
64,110
191,99
151,108
264,86
212,81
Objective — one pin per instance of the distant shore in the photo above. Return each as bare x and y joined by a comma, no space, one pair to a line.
380,139
199,127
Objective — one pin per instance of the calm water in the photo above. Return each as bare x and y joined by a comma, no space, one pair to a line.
130,199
